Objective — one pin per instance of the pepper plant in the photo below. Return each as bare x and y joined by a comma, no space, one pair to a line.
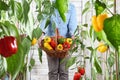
105,35
109,35
17,19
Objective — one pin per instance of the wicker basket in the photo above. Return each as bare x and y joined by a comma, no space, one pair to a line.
55,53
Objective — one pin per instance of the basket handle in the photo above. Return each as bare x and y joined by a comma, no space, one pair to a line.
56,34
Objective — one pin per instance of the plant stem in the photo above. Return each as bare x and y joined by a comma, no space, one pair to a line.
116,60
116,53
115,6
110,11
0,14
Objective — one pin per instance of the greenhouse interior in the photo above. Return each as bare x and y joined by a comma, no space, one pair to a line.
59,40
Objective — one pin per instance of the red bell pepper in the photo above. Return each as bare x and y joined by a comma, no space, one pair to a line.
53,43
8,46
81,70
66,45
77,76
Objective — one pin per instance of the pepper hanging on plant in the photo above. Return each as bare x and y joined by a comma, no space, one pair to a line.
102,47
8,46
77,76
97,22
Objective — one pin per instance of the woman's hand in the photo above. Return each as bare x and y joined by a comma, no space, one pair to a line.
40,39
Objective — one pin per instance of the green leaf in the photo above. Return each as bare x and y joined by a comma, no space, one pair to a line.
53,26
85,10
92,33
87,7
26,43
102,36
47,23
97,66
62,6
93,73
46,4
111,29
19,10
37,32
3,66
85,25
32,63
10,29
39,16
12,5
70,62
75,49
99,35
15,62
26,8
86,57
90,48
82,46
4,30
3,6
111,60
40,54
99,7
84,34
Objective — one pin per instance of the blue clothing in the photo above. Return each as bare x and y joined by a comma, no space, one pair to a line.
66,29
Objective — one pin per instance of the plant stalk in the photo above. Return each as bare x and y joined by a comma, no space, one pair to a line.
116,60
116,53
115,6
0,14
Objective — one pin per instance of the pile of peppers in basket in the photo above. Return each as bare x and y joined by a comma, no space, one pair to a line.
62,43
8,46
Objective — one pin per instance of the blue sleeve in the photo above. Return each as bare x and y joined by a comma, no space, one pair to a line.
42,25
72,25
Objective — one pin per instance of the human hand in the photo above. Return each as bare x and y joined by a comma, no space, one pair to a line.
40,40
73,45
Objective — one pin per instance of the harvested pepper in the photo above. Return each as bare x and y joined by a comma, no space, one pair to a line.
61,40
47,39
59,47
47,46
97,22
53,44
102,47
66,45
69,40
8,46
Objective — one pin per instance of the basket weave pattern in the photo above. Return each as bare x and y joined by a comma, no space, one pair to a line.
55,53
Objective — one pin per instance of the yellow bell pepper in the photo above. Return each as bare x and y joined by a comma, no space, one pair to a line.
97,22
47,45
102,47
59,47
34,41
47,39
69,40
